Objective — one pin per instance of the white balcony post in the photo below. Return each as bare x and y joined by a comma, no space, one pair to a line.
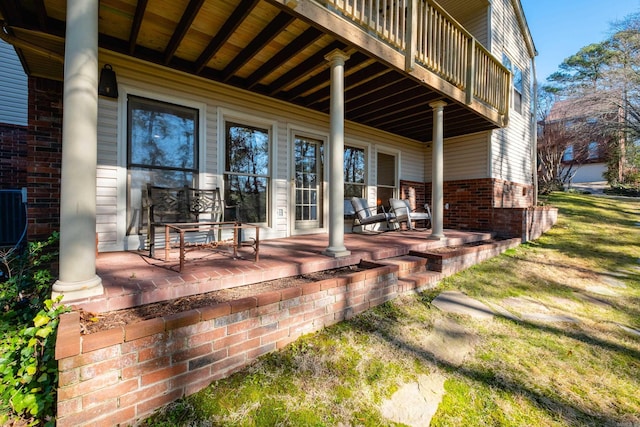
336,247
437,170
78,277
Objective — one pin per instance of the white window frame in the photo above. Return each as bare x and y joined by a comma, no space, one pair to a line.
228,115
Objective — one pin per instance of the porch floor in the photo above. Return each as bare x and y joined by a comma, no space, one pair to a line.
133,278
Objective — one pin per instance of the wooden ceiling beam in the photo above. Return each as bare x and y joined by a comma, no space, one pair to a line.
41,14
136,24
313,62
357,79
275,27
187,19
302,42
399,96
394,114
373,93
321,81
239,14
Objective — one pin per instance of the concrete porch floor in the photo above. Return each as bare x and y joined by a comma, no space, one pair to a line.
132,278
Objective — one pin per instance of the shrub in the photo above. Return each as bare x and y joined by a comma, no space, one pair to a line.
28,322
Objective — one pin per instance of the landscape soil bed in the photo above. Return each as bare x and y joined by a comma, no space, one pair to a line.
90,322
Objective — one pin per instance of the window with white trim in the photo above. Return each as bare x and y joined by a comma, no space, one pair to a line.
354,172
516,82
162,150
247,171
387,185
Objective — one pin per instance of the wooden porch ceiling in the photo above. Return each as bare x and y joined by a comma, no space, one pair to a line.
256,45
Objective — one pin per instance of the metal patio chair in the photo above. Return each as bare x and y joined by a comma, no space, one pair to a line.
367,215
402,211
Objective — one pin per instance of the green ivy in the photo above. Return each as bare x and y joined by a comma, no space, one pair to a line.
26,279
28,323
28,369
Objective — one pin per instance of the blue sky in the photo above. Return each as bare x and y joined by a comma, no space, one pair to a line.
561,27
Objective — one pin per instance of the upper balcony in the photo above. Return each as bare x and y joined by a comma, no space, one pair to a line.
404,54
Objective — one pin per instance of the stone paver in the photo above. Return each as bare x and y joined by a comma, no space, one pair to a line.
630,330
613,282
416,403
449,342
503,312
602,290
459,303
543,317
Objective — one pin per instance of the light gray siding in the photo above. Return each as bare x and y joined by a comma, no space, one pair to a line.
13,87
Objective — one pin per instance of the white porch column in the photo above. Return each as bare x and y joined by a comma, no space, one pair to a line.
336,247
78,277
437,170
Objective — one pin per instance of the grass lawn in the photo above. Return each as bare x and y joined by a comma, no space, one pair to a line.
521,372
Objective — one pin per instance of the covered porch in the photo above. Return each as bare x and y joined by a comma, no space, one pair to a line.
326,64
133,278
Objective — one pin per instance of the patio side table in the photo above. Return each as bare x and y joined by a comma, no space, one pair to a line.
218,228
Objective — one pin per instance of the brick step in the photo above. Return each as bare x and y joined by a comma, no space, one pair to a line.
460,258
419,281
407,264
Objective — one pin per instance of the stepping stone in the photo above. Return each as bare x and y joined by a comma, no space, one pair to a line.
612,281
552,318
592,300
459,303
630,330
449,342
503,312
602,290
415,403
525,305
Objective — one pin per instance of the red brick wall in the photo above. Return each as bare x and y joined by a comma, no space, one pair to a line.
526,223
44,155
472,203
122,375
13,156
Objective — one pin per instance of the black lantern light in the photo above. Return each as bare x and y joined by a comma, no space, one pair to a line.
108,86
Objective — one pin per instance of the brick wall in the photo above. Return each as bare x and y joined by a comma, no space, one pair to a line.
44,156
122,375
13,156
526,223
472,204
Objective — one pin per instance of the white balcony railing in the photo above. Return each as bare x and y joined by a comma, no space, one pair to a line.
428,36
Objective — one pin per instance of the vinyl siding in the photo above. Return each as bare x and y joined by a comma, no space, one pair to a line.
465,157
511,147
107,174
218,101
13,87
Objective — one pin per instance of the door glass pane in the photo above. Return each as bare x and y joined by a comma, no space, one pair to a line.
308,168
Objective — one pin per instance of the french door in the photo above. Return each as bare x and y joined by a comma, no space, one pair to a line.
307,184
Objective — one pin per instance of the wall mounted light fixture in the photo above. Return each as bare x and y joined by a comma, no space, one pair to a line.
108,86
